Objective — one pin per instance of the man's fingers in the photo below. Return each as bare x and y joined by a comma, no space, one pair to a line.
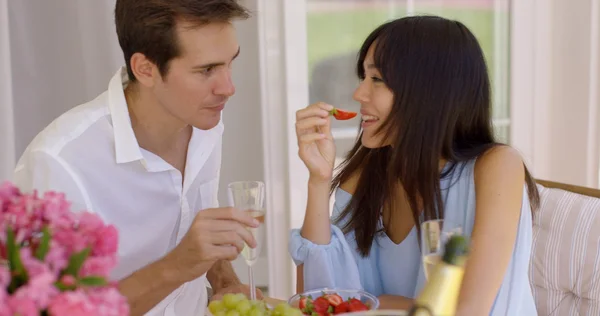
230,213
227,238
226,252
232,228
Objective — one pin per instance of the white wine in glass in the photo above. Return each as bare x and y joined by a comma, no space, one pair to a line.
249,254
250,196
429,261
434,235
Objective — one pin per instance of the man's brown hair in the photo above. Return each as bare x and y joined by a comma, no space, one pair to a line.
149,26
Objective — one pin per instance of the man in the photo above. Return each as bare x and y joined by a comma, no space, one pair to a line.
145,155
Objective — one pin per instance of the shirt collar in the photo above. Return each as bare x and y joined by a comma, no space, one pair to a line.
127,148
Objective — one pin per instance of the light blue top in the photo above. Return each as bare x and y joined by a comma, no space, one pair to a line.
396,269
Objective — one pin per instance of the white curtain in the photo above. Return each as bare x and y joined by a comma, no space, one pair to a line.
54,55
7,147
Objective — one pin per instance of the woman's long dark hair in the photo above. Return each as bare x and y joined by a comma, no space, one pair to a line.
442,109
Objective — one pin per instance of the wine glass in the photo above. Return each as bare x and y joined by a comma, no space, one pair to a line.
250,196
434,235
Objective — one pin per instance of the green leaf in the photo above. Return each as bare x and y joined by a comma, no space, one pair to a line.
92,281
76,261
19,274
44,245
62,287
14,256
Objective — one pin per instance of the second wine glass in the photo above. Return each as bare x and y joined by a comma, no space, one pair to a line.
434,235
250,196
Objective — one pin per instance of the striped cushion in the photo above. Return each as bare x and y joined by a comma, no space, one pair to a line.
565,267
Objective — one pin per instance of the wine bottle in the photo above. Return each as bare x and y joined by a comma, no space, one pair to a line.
440,294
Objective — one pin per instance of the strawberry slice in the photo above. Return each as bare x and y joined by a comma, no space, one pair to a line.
342,115
333,299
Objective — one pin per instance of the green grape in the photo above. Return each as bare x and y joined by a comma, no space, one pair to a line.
243,307
241,296
281,308
216,306
255,312
260,305
231,300
293,312
232,312
220,313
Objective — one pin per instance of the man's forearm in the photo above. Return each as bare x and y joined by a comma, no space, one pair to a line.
148,286
222,275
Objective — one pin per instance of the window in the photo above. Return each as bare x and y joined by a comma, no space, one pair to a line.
337,28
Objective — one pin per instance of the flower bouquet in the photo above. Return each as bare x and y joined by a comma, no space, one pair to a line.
53,261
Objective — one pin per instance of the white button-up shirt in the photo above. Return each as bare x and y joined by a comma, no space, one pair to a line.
91,154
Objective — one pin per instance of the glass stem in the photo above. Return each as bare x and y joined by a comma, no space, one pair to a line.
252,286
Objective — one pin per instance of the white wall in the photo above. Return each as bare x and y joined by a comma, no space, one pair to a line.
7,140
573,138
554,88
61,55
242,140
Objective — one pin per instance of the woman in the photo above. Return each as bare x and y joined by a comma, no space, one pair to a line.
426,140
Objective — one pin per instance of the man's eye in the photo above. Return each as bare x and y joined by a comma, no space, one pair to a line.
207,71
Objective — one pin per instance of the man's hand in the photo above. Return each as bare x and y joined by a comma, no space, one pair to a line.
216,234
238,288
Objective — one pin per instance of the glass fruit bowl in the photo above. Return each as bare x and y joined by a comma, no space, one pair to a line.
368,299
380,312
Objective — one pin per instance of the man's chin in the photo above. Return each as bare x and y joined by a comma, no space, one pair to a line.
205,124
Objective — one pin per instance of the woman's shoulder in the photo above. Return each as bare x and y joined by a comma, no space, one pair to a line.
501,159
498,165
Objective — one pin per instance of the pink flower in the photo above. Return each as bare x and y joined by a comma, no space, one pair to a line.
70,240
8,190
107,241
4,276
3,297
40,289
33,266
59,219
28,216
89,222
4,282
55,202
98,266
108,301
7,193
22,306
75,303
56,257
4,310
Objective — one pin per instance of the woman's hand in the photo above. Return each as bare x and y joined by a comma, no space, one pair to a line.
395,302
315,142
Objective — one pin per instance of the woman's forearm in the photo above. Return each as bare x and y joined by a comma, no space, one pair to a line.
316,227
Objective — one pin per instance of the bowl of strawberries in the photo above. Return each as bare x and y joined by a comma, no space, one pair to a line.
325,302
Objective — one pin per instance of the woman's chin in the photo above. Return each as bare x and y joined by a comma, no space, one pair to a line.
370,142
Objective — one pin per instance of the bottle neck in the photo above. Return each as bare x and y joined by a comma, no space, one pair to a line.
420,310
